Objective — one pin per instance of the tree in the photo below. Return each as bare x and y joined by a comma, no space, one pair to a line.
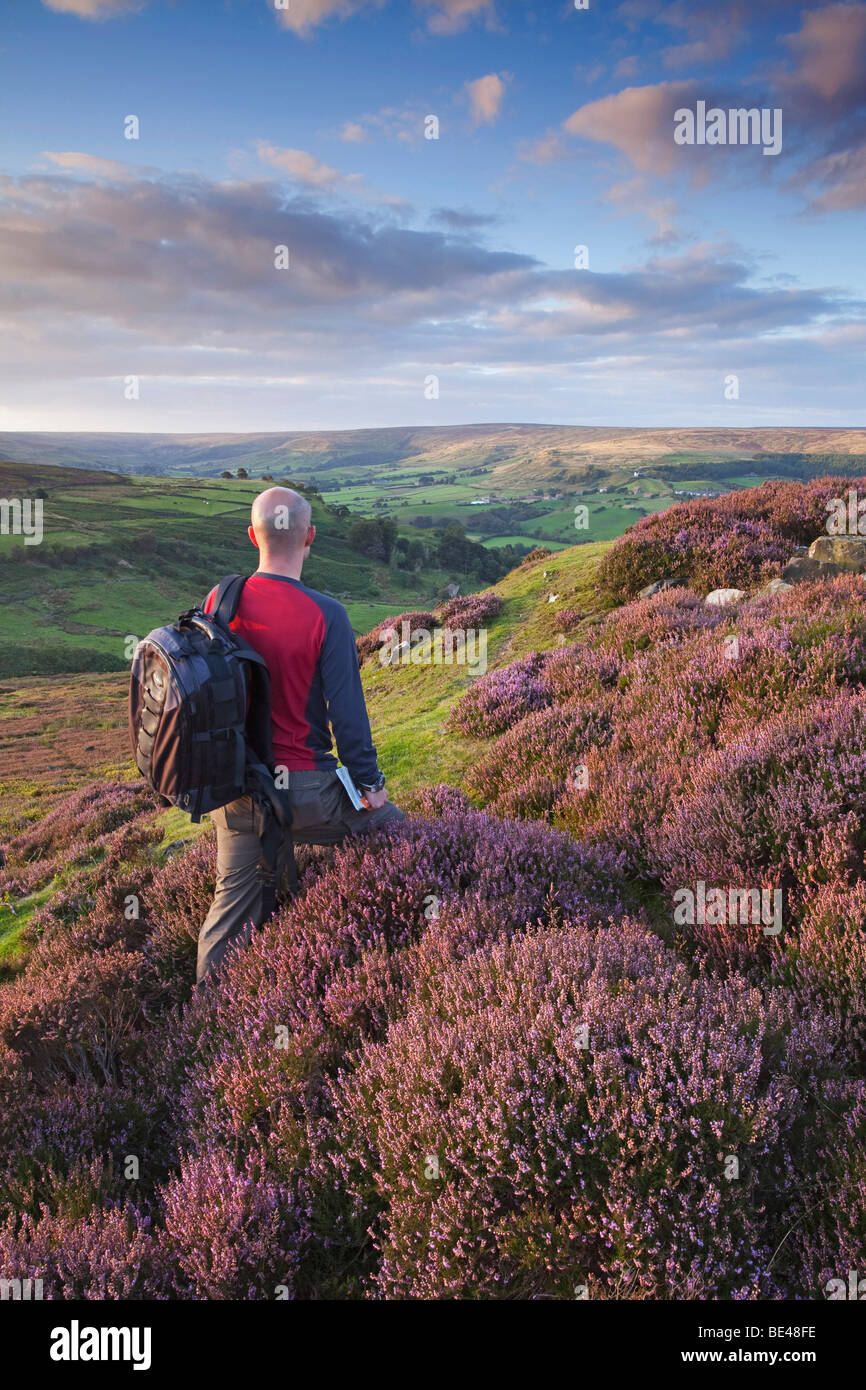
452,550
373,537
416,554
242,473
225,473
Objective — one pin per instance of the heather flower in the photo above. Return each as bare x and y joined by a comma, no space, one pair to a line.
369,644
558,1110
781,806
566,619
733,540
469,611
502,697
232,1233
529,767
106,1254
75,1019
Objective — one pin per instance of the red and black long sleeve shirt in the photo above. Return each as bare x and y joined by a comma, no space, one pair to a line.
307,641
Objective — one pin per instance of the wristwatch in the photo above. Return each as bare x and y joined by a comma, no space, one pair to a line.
374,786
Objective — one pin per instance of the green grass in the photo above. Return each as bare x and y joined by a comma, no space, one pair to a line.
409,705
497,542
14,921
176,825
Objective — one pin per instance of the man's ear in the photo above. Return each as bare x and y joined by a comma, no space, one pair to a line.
311,536
252,535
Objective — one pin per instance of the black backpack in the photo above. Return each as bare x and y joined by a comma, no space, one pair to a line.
200,718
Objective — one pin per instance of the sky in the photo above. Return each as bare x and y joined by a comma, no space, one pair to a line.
254,215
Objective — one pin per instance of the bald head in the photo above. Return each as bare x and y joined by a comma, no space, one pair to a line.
280,522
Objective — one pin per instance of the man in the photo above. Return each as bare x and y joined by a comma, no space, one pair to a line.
308,644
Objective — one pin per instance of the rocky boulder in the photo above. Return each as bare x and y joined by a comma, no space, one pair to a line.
802,568
719,597
659,585
846,553
775,586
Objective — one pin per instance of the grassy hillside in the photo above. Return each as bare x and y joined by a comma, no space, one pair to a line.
122,555
409,704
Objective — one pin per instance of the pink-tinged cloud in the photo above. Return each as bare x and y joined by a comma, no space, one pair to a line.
711,49
843,176
634,194
353,133
442,16
830,50
452,16
94,9
638,121
113,170
303,16
485,98
710,35
303,167
546,150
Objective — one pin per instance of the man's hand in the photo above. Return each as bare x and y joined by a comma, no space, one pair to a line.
375,800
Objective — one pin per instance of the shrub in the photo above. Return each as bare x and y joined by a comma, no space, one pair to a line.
782,807
232,1233
108,1254
498,1157
500,698
529,766
733,540
824,964
470,611
334,970
73,1020
566,619
369,644
538,552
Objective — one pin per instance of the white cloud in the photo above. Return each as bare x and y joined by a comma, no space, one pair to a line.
174,280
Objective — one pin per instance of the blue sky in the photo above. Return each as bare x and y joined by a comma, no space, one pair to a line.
410,258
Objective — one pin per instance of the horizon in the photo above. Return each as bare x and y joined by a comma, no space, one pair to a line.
467,425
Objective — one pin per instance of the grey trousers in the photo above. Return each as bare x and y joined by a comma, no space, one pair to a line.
322,814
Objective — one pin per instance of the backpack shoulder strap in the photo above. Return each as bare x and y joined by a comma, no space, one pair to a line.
228,597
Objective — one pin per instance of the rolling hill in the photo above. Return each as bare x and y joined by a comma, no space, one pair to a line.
123,554
528,452
516,485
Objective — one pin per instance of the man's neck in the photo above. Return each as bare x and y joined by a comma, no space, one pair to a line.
287,568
